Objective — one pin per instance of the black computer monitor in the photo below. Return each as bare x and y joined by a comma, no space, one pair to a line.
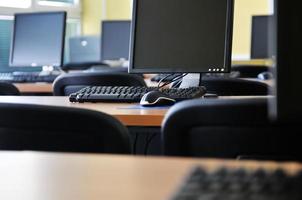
177,36
288,62
260,37
115,40
38,39
84,49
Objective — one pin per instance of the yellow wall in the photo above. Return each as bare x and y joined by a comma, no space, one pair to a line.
120,9
94,12
244,9
91,16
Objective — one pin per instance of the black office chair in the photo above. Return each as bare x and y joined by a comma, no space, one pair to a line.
8,89
223,86
249,71
224,128
60,129
69,83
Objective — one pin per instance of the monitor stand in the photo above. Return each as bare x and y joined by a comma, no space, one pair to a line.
191,80
50,70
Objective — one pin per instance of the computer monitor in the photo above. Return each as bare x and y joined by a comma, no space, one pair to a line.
181,36
84,49
288,62
38,39
260,37
115,40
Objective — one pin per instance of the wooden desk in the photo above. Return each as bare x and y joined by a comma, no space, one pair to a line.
128,114
47,88
36,176
267,62
34,88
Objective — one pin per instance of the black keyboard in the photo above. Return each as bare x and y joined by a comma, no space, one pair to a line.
27,77
240,184
131,94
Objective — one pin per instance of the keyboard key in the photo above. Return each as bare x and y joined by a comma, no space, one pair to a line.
240,184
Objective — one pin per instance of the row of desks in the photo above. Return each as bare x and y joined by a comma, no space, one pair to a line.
130,114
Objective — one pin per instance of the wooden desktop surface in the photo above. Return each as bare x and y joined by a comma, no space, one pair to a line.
36,176
256,62
128,114
34,87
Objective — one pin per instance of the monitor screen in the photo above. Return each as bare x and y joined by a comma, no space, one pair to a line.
38,39
260,35
115,40
288,61
181,36
84,49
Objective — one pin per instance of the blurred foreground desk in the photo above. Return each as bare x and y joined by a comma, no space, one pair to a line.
36,176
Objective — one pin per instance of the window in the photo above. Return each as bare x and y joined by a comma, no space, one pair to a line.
15,3
58,2
9,7
72,29
5,38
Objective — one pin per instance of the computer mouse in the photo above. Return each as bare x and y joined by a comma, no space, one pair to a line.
265,76
156,98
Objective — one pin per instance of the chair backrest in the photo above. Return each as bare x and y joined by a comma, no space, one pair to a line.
224,128
250,71
8,89
63,129
235,86
66,84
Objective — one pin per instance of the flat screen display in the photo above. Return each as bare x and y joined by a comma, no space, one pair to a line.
115,40
181,36
38,39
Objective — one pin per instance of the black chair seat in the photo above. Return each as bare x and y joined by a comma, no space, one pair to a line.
8,89
225,128
235,86
66,84
63,129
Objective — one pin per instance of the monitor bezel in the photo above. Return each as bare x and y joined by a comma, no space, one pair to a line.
227,49
12,64
102,28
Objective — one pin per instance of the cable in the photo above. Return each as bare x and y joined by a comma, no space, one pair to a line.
177,78
163,79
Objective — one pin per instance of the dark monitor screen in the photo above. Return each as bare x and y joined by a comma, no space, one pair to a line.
84,49
260,37
115,40
288,61
38,39
181,36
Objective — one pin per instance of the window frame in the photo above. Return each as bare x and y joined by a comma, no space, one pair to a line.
74,11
